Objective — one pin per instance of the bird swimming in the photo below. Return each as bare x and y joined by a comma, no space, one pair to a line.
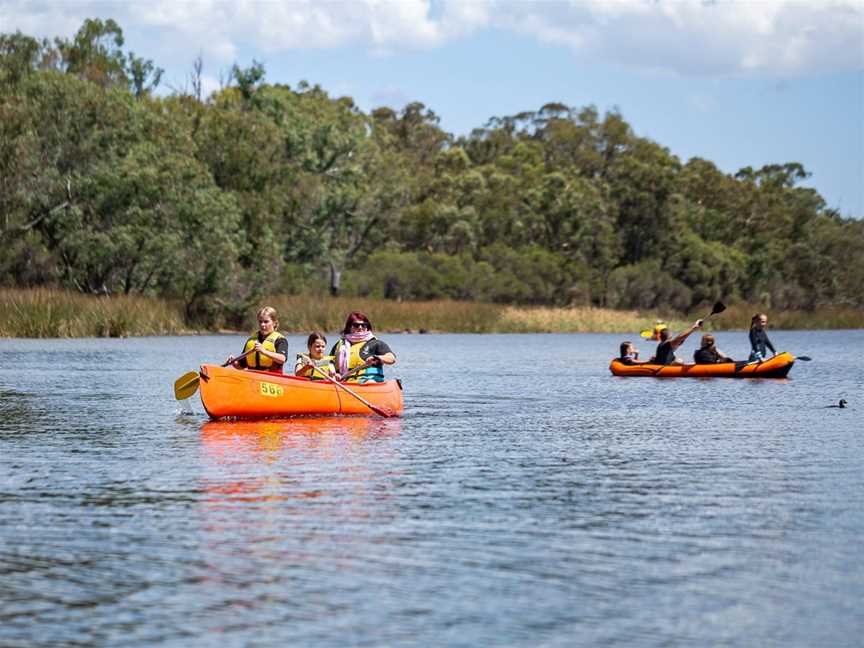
842,404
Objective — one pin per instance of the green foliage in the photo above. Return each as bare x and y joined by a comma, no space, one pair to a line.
266,189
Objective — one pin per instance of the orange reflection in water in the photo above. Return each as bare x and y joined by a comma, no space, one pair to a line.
246,448
282,491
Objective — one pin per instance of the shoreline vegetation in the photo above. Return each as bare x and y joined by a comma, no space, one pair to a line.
262,192
54,313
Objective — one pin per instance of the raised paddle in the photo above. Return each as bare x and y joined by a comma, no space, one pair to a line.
187,384
719,307
385,412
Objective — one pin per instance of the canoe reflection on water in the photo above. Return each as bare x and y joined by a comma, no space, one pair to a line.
291,492
270,460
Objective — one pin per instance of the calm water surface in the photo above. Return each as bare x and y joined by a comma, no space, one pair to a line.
526,498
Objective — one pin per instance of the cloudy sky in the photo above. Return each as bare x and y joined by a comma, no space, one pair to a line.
738,82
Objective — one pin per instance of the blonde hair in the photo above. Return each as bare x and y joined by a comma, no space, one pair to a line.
269,311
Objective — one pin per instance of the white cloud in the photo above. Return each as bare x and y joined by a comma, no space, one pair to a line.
722,37
728,37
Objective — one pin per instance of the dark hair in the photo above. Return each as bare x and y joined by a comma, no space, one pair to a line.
623,348
708,341
755,320
313,337
356,316
664,334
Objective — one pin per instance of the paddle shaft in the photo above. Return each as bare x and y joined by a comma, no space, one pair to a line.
187,384
240,357
718,308
377,410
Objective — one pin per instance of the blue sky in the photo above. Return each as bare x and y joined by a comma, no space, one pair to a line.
738,83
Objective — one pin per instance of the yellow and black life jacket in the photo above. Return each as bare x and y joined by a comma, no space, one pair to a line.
259,360
325,364
354,360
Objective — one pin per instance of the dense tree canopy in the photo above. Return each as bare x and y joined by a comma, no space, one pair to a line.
106,188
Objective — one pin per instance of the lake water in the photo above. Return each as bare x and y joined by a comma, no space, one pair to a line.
526,498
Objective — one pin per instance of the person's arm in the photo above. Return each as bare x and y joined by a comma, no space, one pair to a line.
754,340
382,354
301,367
769,345
237,364
679,340
281,354
384,358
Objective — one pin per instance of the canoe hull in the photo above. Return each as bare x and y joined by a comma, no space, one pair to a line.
242,393
776,367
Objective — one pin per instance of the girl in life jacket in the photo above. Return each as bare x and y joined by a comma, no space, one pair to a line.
360,356
312,364
267,349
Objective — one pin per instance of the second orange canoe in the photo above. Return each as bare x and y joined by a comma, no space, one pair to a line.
776,367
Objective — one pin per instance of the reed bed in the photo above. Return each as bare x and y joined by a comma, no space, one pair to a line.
578,320
58,313
46,313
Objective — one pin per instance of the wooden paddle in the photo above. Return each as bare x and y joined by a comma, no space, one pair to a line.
385,412
187,384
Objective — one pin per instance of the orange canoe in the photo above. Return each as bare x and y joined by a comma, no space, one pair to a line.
776,367
242,393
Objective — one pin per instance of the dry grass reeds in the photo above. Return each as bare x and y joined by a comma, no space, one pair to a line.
58,313
45,313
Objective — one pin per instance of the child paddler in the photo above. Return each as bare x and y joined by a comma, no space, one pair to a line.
268,348
310,365
360,356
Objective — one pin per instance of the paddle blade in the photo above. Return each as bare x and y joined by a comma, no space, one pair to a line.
647,333
382,411
186,385
719,307
804,358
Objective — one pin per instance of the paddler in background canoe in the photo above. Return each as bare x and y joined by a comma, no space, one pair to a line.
759,342
630,354
267,348
654,333
308,362
665,354
708,353
360,355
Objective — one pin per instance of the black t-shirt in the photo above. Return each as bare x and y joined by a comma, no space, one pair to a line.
665,353
759,341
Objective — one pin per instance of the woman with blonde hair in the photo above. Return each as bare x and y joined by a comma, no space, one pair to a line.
267,348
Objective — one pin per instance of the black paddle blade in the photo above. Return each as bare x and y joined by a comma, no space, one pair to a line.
719,307
804,358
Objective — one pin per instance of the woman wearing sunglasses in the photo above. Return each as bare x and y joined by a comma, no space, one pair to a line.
360,356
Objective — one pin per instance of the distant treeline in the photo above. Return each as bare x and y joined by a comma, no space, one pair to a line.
265,189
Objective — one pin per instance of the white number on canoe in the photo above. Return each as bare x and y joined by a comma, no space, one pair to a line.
269,389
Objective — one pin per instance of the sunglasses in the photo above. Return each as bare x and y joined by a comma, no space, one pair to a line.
359,325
